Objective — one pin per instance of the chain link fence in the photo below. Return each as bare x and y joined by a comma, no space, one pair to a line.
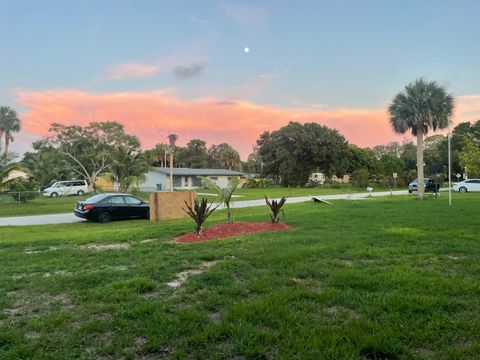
18,197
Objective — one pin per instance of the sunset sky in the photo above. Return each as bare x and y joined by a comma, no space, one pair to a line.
180,66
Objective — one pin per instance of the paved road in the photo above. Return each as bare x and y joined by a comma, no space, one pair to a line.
70,218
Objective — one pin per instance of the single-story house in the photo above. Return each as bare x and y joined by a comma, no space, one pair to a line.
17,174
158,178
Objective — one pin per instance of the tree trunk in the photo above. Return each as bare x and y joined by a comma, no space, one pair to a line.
7,143
420,177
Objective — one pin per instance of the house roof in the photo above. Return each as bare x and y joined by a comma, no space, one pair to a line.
197,172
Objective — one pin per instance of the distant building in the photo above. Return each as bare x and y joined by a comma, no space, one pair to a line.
17,174
158,178
343,180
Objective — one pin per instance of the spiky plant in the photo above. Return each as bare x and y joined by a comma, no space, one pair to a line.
199,213
275,208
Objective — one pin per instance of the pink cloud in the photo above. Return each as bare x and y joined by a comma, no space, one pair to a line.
132,70
151,115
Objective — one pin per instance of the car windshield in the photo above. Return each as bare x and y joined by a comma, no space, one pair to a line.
96,198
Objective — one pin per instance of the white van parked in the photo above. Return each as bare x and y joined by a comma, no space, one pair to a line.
64,188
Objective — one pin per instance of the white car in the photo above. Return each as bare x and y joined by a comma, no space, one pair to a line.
467,185
64,188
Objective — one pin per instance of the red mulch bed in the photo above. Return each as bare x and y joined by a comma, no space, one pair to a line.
221,231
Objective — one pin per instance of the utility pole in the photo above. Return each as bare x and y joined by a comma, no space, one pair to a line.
449,169
172,138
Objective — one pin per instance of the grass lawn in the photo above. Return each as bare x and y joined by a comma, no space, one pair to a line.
42,205
277,192
382,278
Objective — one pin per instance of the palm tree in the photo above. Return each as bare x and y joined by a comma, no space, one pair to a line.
224,195
128,167
6,167
9,123
422,106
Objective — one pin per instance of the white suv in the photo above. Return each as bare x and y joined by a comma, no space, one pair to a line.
64,188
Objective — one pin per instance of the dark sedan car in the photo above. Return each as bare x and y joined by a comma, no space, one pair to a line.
106,207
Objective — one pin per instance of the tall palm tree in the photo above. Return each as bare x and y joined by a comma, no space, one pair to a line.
9,123
422,106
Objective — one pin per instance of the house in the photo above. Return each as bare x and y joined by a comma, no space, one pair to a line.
17,174
158,178
343,180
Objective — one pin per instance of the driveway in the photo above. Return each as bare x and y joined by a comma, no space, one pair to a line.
70,218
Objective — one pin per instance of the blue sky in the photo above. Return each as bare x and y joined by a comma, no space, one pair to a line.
309,55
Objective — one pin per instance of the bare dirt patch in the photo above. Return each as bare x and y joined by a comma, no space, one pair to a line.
184,275
221,231
101,247
147,241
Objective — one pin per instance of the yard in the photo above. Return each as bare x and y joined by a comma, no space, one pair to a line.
42,205
382,278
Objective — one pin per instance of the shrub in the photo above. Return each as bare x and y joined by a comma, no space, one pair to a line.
275,208
23,190
257,184
199,213
359,178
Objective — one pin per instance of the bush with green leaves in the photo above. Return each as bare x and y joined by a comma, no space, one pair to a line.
199,213
23,190
256,184
275,208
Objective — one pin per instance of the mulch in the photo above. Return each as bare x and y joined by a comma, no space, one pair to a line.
221,231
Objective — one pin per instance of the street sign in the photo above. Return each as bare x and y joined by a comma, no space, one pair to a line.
459,176
395,175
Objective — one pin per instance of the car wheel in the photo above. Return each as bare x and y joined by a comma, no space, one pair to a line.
410,191
463,189
104,217
80,192
53,195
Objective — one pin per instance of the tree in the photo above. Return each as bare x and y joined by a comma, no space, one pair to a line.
294,151
358,158
194,155
409,155
88,150
470,158
224,156
6,167
420,107
157,156
9,124
46,164
253,163
127,164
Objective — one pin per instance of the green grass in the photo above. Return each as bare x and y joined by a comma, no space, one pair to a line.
42,205
277,192
389,278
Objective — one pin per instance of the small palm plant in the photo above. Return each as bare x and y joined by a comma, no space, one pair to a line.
224,195
199,213
275,208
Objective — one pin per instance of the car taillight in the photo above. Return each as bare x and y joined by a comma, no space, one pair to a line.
87,207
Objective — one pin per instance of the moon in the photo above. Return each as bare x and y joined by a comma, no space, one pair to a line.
246,50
